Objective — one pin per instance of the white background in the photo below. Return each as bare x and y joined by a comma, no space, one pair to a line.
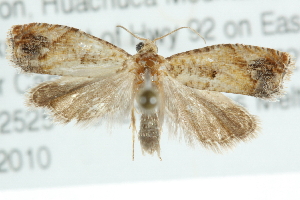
68,162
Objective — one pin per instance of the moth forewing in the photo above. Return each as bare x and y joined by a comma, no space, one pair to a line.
61,50
233,68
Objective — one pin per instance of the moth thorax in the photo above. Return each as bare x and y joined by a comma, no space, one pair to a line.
148,100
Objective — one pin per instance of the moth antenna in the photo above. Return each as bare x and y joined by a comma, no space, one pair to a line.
177,30
140,38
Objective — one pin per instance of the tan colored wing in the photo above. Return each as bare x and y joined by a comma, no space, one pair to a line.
84,100
233,68
62,50
206,117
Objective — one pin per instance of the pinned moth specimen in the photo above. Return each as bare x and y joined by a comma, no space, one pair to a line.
100,81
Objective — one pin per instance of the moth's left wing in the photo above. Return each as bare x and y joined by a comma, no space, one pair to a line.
62,50
233,68
84,99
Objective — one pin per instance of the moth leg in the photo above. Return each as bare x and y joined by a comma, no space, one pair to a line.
133,131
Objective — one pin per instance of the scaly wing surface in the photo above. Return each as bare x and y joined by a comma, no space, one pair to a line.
206,117
233,68
62,50
84,100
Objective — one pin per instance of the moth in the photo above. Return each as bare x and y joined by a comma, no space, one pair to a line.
99,81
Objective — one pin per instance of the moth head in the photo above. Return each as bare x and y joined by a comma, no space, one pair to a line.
146,46
149,45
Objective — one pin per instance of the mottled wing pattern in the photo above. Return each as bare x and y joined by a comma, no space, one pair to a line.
208,117
84,100
62,50
233,68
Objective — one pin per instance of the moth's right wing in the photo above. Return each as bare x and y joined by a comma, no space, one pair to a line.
233,68
61,50
206,117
